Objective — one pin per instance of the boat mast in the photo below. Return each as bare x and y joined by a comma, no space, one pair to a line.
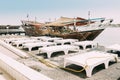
74,24
88,18
35,19
28,17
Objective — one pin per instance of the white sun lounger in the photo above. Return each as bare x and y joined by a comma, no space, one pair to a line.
40,37
52,49
113,47
9,40
89,60
19,42
53,39
85,44
50,39
44,38
37,44
64,41
13,49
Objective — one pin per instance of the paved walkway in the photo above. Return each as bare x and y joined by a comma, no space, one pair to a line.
7,52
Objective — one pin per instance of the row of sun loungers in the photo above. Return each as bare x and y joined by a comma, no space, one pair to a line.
34,42
87,60
14,50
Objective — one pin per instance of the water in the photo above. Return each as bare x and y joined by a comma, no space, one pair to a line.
109,36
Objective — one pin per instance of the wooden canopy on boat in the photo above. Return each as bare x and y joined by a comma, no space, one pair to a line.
64,21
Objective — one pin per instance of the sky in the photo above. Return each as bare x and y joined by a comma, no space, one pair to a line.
13,11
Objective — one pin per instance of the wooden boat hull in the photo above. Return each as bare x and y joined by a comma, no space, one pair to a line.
83,35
